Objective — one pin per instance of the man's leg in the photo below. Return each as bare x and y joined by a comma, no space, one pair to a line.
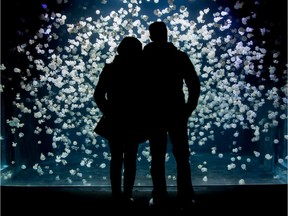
179,139
158,145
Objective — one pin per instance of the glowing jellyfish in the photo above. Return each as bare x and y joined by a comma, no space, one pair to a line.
242,182
103,165
71,69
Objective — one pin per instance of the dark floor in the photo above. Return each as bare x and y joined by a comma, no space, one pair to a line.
212,200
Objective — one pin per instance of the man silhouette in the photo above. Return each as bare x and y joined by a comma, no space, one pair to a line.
168,70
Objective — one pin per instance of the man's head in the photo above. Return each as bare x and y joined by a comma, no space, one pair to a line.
158,32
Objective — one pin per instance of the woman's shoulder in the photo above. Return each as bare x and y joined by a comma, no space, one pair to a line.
108,68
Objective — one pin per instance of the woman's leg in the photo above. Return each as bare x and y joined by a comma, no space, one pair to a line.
130,164
116,151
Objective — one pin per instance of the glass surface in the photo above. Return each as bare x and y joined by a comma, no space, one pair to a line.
50,63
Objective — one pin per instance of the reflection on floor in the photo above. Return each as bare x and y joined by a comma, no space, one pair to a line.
206,169
211,200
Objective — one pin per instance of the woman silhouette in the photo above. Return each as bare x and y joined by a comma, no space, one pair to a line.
116,97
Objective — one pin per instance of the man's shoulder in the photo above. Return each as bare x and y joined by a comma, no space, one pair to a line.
181,55
181,52
150,44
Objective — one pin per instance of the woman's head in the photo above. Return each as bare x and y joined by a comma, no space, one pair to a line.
129,46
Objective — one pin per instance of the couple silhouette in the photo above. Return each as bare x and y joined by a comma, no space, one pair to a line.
141,96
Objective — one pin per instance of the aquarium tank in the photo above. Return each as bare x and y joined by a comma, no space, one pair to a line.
52,55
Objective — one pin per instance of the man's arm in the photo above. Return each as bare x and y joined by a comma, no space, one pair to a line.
192,82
